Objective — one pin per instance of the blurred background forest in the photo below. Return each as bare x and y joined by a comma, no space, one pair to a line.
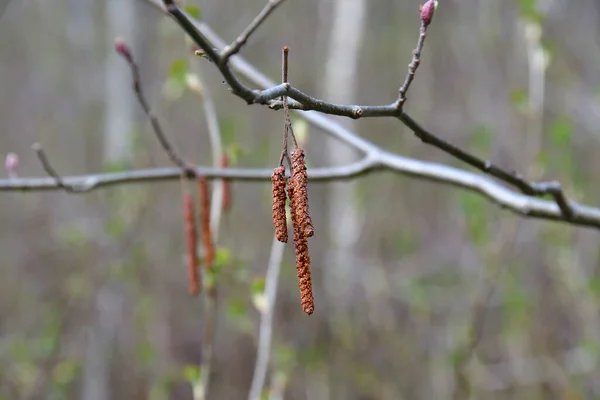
422,291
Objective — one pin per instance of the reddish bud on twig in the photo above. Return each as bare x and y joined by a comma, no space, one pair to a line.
204,196
427,10
278,197
123,49
191,240
11,163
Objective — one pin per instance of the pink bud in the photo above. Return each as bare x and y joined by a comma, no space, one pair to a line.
11,163
427,11
122,48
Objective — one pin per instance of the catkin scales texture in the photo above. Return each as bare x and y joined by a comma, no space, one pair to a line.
300,201
278,196
301,223
303,272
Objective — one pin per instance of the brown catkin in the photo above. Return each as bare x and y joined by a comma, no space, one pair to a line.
204,196
303,271
300,181
278,197
302,255
191,240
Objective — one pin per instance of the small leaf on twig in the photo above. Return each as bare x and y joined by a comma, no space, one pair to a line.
193,10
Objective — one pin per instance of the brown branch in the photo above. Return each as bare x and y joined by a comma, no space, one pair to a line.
287,124
416,59
122,48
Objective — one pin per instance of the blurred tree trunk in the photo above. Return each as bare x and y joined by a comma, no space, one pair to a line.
346,32
119,121
344,217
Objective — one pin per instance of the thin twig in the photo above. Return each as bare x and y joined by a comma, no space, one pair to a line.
266,320
287,128
58,180
241,40
412,67
156,127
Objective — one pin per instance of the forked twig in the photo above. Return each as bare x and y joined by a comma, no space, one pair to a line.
41,155
241,40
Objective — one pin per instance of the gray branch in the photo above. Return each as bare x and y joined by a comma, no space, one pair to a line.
523,202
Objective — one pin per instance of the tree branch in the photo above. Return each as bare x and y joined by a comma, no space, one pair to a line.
376,158
122,48
521,204
241,40
200,33
57,179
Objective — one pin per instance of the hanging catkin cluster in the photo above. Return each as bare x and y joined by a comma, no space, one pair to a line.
297,192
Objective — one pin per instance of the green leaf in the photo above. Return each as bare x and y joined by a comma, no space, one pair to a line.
258,286
222,257
519,99
529,10
237,309
178,70
176,83
193,10
191,373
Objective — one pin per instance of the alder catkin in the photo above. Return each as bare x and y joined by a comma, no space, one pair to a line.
301,249
303,272
300,182
204,196
278,197
191,240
